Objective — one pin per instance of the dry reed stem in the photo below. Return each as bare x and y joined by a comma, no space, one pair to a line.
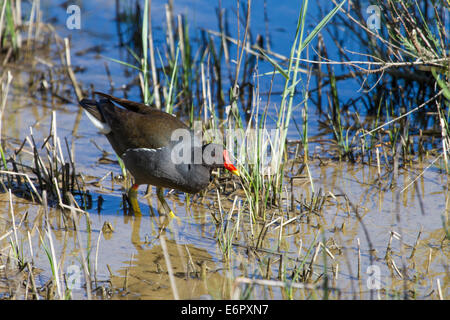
405,114
153,68
359,258
33,283
169,267
270,283
70,72
2,15
48,233
28,179
438,284
87,275
4,90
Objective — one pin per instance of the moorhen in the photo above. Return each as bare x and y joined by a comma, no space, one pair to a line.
143,137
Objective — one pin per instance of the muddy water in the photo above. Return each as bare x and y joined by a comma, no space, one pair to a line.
382,210
130,261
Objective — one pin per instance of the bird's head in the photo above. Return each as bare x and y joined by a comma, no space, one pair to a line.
227,164
216,156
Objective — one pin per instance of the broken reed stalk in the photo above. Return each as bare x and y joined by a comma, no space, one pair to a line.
33,16
15,242
169,267
359,258
169,21
2,16
33,283
70,72
52,257
28,179
4,90
313,260
428,261
271,283
4,96
152,59
96,254
52,175
415,244
445,138
87,276
439,290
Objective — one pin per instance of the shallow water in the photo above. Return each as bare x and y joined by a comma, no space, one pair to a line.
130,259
133,251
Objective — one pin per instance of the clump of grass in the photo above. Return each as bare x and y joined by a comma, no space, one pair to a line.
52,176
23,263
262,183
40,171
10,21
171,82
51,172
404,78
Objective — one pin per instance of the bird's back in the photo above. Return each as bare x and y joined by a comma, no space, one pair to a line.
148,142
134,126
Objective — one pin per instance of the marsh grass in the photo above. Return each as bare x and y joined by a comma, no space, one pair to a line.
10,21
416,41
187,76
263,184
36,170
382,133
49,186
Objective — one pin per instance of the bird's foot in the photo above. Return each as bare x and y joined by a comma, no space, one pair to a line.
169,212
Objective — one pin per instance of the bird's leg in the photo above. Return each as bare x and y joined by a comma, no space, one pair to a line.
132,197
160,194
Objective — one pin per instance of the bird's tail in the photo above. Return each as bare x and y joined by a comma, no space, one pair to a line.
93,110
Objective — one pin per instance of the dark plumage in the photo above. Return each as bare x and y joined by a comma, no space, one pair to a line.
142,137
